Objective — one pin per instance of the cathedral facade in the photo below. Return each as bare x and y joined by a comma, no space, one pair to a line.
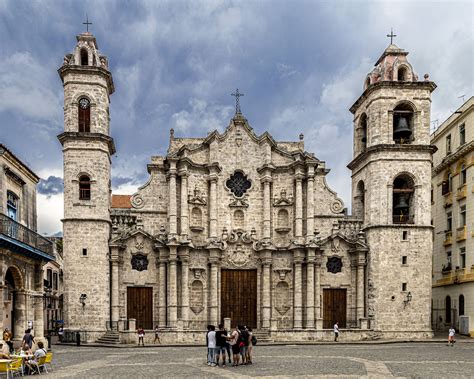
240,228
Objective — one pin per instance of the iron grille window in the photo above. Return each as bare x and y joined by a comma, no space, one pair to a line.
238,184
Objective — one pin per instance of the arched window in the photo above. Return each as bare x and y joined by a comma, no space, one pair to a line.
239,219
402,74
84,115
363,131
447,308
282,219
84,188
461,305
403,122
196,217
84,58
403,191
359,200
12,205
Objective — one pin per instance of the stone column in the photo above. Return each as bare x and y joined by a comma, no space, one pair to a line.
114,291
185,288
317,292
360,307
19,312
310,289
213,287
299,206
38,323
184,203
266,290
266,208
172,211
213,207
298,292
310,203
172,289
162,290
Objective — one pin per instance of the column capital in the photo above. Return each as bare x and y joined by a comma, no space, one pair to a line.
266,179
299,177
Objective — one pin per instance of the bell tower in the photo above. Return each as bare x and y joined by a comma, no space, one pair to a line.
391,184
87,148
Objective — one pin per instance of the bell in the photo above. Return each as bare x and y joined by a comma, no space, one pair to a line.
401,205
402,130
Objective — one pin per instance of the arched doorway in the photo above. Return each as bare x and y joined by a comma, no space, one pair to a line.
14,302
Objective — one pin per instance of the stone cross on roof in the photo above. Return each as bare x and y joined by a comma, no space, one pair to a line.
391,35
87,23
237,95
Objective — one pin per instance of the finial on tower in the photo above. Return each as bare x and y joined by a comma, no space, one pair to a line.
87,23
237,95
391,35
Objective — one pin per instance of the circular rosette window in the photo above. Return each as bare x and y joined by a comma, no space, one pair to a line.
238,184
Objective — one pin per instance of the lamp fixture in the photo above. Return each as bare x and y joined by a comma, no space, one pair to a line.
408,298
82,299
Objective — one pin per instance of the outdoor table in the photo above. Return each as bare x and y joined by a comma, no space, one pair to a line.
5,360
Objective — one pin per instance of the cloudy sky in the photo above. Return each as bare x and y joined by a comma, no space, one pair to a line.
301,65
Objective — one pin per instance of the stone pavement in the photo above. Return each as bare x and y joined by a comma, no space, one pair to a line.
411,360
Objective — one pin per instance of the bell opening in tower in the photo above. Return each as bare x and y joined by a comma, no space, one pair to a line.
403,124
84,58
363,132
403,191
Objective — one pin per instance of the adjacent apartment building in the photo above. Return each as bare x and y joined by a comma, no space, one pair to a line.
453,218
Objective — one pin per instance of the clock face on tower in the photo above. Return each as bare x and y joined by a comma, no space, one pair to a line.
84,103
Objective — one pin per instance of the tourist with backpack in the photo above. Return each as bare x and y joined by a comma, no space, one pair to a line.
243,343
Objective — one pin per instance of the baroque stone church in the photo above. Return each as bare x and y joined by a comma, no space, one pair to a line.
237,227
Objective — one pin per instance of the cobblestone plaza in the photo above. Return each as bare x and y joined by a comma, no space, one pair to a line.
409,360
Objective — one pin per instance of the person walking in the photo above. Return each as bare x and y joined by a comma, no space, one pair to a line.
451,339
28,339
141,336
336,331
157,335
211,346
60,333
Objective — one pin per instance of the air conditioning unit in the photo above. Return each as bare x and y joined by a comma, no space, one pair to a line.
464,325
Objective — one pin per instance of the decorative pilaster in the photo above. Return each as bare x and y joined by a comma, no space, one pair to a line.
184,202
266,291
184,257
310,259
317,292
266,208
360,306
38,303
298,292
310,202
114,290
162,289
213,206
213,287
299,205
172,212
172,288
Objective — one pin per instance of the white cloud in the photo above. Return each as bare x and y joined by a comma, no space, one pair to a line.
50,212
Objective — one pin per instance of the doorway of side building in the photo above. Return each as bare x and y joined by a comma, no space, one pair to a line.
140,306
334,307
239,297
13,283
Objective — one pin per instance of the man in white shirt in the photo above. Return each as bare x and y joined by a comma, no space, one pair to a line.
336,331
451,334
211,346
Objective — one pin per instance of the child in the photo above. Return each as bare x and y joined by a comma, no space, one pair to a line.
451,334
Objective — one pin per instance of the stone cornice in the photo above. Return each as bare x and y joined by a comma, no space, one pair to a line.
390,84
389,147
88,70
12,157
451,158
63,137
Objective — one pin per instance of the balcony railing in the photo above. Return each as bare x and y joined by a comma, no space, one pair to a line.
461,233
446,268
403,219
448,238
19,232
462,192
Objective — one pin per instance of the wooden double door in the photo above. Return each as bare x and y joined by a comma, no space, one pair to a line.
334,307
239,297
140,306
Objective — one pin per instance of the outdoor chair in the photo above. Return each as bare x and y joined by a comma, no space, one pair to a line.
49,361
37,366
5,369
16,367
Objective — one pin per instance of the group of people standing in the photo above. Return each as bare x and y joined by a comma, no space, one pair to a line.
219,342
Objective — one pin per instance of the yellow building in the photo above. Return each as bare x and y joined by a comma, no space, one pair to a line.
453,218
